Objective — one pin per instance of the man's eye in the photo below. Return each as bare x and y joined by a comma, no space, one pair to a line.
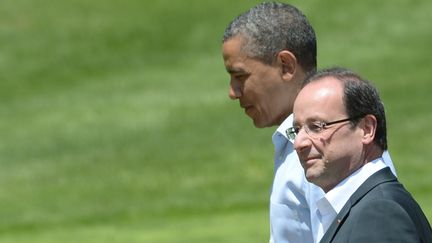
241,76
315,127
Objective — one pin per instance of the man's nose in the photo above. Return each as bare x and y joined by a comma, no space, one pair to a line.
302,140
235,91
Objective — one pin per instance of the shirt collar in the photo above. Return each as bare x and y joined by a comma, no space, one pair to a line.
339,195
287,123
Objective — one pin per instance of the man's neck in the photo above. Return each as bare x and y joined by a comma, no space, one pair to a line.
372,153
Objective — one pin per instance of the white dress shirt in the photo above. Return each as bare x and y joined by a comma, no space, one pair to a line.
292,197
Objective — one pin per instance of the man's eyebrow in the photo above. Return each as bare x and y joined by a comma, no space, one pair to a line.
308,120
233,70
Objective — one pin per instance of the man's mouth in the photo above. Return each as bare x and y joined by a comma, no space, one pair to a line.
309,161
246,107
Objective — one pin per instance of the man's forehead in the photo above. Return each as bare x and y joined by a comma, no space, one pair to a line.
233,45
320,96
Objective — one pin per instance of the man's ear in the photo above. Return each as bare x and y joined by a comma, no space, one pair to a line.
369,127
288,63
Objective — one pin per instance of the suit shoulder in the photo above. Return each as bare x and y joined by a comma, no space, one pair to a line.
393,191
390,202
380,220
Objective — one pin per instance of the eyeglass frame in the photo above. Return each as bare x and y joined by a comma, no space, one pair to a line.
292,134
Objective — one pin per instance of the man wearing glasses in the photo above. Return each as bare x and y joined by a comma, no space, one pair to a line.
339,133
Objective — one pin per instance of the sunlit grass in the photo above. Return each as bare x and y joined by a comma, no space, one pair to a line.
116,124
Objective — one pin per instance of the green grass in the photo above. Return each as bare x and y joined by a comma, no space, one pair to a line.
116,124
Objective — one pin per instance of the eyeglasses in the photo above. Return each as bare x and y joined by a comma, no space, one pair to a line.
314,129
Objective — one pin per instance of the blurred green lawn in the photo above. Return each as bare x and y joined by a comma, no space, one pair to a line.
116,125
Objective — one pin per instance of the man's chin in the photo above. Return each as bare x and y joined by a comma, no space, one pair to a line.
311,178
259,121
260,124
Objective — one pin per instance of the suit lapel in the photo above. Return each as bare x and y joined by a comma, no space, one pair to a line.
383,175
334,227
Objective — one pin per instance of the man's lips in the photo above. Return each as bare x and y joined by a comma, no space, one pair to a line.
246,107
310,160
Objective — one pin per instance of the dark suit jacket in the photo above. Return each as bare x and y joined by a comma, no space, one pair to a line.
381,210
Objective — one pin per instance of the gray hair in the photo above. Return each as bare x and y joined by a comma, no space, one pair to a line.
271,27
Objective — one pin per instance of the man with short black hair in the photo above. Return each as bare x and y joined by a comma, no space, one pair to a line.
340,135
